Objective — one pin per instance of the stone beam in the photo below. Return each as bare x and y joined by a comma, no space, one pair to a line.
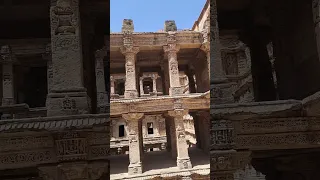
183,38
159,104
25,47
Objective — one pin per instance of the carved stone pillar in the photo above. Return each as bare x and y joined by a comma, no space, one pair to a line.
154,84
172,49
206,74
183,159
316,19
135,142
130,53
66,60
112,90
102,96
141,86
7,60
48,57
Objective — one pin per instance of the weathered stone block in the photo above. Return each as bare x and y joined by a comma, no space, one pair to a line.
170,25
127,25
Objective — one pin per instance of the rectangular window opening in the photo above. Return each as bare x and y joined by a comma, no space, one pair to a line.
121,131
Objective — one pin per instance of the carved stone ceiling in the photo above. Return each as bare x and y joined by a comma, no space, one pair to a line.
232,5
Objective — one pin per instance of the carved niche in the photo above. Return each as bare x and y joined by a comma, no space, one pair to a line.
71,146
222,134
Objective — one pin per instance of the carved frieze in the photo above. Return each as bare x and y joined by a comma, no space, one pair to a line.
25,142
23,158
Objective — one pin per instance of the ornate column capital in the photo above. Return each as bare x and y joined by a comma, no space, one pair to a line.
178,113
101,53
205,47
132,116
171,48
6,55
129,49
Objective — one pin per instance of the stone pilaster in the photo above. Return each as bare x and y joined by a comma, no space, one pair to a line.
48,57
154,83
130,53
7,59
102,96
183,159
316,20
112,86
221,90
68,95
217,73
171,49
135,142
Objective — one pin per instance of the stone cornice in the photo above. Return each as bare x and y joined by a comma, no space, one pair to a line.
54,123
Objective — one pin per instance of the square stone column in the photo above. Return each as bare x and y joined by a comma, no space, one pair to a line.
102,96
135,142
48,57
183,159
7,59
68,95
171,50
130,53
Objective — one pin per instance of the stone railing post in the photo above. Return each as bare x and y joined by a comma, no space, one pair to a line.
66,61
183,159
171,49
135,142
130,53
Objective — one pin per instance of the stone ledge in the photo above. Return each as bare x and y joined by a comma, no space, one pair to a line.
54,123
204,170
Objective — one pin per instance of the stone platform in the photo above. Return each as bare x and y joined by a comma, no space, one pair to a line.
159,163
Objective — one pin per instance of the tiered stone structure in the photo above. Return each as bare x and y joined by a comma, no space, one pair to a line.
264,114
49,128
159,103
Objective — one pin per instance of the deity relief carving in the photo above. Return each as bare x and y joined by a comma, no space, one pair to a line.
174,67
64,17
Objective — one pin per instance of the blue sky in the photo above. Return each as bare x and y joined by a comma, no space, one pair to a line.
150,15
